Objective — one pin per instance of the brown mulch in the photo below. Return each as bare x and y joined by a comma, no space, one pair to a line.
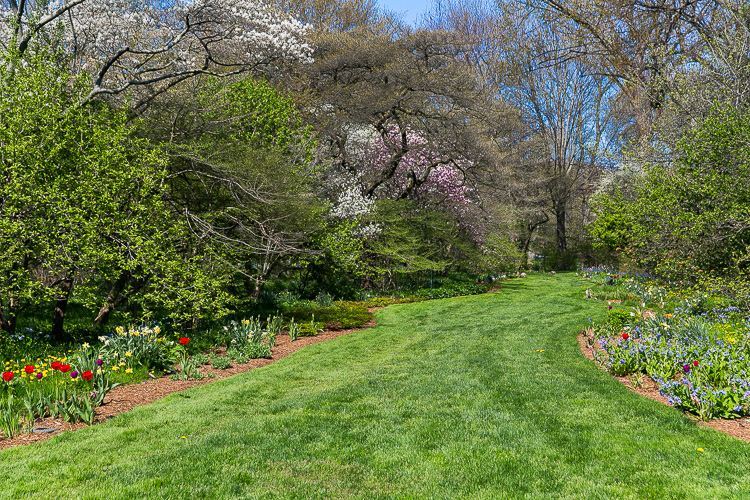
126,397
737,428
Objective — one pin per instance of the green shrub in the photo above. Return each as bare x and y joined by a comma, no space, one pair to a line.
452,290
307,330
618,318
221,363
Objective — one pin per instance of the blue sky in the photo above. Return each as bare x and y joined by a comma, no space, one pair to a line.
409,8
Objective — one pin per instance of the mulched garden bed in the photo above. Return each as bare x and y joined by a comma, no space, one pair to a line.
738,428
126,397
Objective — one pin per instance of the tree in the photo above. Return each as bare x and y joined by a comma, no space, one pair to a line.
242,171
81,202
395,84
637,44
145,47
566,108
693,218
336,16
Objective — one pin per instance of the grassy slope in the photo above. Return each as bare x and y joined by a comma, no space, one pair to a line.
443,399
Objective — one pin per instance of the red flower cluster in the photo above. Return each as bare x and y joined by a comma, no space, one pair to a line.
184,340
56,365
7,376
87,375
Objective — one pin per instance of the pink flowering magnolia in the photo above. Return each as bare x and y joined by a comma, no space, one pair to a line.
425,175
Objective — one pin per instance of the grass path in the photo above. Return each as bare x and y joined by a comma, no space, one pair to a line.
443,399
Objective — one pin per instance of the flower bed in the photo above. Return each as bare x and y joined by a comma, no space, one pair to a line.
697,357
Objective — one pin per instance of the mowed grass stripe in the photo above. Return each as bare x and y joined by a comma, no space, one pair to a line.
443,399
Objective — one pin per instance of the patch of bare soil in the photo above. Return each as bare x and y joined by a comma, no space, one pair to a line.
126,397
738,428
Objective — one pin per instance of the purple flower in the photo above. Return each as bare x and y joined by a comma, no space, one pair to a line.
686,368
74,374
99,362
39,376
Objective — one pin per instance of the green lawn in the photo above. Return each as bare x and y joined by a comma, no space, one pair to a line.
443,399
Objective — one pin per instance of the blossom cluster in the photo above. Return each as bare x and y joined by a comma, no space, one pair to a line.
444,187
141,41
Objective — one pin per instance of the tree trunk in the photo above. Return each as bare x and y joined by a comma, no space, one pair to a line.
562,242
61,307
112,298
525,249
8,321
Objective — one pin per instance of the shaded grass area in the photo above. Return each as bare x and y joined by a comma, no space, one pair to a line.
474,397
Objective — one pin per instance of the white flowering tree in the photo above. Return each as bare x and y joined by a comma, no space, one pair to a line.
146,46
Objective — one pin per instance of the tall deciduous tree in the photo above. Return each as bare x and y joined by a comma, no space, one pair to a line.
565,104
638,44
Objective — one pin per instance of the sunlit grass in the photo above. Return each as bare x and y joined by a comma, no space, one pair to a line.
475,397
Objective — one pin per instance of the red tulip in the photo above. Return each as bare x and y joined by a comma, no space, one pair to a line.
695,363
184,340
29,369
87,375
7,376
65,368
625,336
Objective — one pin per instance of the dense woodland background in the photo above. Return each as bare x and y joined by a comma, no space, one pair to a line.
178,158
